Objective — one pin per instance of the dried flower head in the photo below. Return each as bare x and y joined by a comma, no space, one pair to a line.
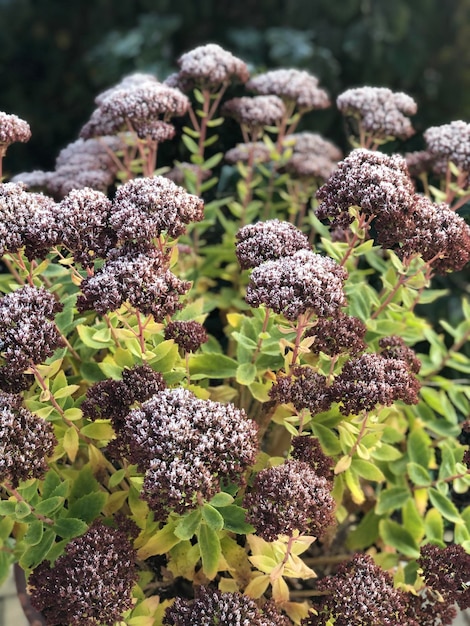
135,276
359,593
255,151
310,166
257,112
36,180
447,571
25,441
372,379
293,86
90,584
426,608
146,207
12,129
337,335
450,142
380,112
188,447
84,216
12,381
420,162
113,399
210,66
308,450
377,183
26,220
312,143
267,241
302,282
212,607
28,334
189,336
136,79
394,347
288,498
434,231
305,388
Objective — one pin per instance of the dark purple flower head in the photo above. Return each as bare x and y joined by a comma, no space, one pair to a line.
298,283
420,162
210,66
189,336
337,335
376,183
310,166
84,216
308,450
293,86
26,220
359,593
427,608
305,388
380,112
312,143
257,112
25,441
447,571
28,334
13,129
433,231
450,142
134,276
212,607
394,347
371,380
12,381
267,241
188,446
90,584
146,207
290,498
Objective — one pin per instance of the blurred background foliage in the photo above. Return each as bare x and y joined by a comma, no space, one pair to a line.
56,56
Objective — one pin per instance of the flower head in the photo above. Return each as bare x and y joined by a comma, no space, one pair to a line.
25,441
312,143
314,166
13,129
288,498
337,335
255,151
305,388
267,241
298,283
381,112
372,379
91,583
136,276
293,86
447,571
210,66
394,347
257,112
189,336
28,334
212,607
376,183
146,207
308,450
84,216
188,447
359,593
450,142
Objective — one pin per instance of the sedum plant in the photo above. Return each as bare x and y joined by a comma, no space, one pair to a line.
224,396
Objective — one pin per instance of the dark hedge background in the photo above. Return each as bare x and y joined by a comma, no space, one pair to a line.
55,56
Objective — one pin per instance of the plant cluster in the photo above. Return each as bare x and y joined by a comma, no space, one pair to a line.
221,400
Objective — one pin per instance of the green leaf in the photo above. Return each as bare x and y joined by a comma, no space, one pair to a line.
445,507
190,144
212,366
68,527
234,520
419,446
246,373
99,430
212,517
399,538
46,507
36,554
221,499
88,507
328,439
367,470
385,452
391,499
366,532
418,474
116,478
412,520
188,525
209,545
22,510
34,533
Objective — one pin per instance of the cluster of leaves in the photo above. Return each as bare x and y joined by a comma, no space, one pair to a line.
400,479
